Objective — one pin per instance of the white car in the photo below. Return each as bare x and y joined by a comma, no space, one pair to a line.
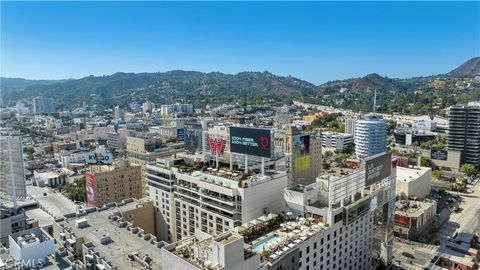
469,190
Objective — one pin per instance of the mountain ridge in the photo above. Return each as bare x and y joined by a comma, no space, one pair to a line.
247,87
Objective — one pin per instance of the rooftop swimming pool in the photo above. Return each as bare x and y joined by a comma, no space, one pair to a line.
258,246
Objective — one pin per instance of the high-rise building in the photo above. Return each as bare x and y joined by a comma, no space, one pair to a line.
144,149
119,113
350,126
212,200
464,132
43,105
304,156
147,107
370,136
12,172
106,184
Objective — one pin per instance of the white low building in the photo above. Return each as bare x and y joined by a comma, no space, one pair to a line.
414,182
31,247
336,140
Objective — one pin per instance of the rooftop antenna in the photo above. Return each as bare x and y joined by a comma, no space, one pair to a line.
375,102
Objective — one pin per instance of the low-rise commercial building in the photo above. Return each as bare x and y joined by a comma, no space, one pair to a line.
460,252
414,218
50,178
414,182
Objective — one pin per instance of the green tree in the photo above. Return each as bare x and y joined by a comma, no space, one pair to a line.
468,169
328,153
425,161
437,174
391,126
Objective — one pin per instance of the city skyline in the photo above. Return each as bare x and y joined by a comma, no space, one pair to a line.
306,40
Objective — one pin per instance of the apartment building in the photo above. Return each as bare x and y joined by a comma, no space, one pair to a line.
210,200
106,184
464,132
144,149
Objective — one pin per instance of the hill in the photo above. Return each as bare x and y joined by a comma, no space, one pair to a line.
190,86
469,68
19,84
418,95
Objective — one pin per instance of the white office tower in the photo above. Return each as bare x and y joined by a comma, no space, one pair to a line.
344,220
370,136
210,200
12,173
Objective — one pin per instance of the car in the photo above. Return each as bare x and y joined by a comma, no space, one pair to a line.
408,255
469,190
45,194
451,200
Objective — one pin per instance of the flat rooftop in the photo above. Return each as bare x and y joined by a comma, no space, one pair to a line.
412,208
234,179
122,241
410,174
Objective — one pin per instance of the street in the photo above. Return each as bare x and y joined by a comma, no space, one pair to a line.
54,203
466,220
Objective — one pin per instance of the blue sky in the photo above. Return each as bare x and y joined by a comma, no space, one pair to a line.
315,41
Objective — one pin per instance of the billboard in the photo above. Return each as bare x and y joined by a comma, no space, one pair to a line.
401,220
301,152
181,134
90,186
439,154
99,158
217,146
357,210
377,168
193,138
251,141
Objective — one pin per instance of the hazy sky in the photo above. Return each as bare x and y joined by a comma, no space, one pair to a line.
310,40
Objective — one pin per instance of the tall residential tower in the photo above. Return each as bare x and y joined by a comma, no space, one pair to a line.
464,132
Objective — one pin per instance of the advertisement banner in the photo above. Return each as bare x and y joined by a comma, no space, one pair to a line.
181,134
251,141
90,186
439,154
301,152
355,211
401,220
217,146
377,168
99,158
193,138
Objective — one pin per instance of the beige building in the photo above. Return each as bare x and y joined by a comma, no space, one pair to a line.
106,184
143,150
413,219
116,236
414,182
304,156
